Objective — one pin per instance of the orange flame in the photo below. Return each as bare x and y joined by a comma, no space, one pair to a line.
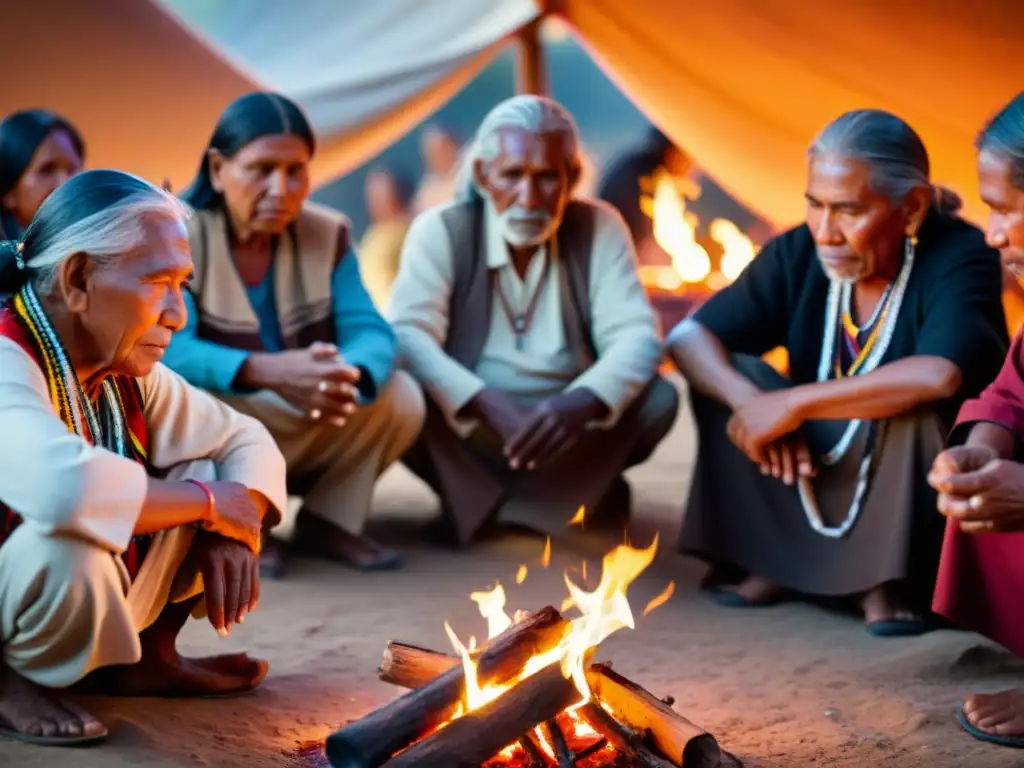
521,574
603,611
545,558
659,600
578,518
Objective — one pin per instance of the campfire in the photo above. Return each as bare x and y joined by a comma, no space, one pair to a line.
531,696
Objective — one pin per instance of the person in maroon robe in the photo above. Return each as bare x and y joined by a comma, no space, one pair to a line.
980,479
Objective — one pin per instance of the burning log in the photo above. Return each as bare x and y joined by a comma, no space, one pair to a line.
682,742
676,737
370,741
470,740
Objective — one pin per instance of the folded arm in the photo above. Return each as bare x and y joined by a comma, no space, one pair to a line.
419,313
187,424
887,391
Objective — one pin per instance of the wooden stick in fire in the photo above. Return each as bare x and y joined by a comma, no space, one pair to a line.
674,736
473,738
370,741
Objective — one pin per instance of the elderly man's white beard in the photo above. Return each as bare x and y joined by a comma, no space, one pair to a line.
844,276
521,227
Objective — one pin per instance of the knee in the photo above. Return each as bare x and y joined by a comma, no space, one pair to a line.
660,410
404,405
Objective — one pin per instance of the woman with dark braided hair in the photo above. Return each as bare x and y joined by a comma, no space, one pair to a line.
128,499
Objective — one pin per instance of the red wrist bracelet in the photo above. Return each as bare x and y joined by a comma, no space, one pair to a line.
211,500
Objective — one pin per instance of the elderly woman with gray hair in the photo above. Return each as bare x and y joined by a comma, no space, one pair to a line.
889,307
520,312
128,499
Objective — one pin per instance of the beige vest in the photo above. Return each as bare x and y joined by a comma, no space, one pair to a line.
306,256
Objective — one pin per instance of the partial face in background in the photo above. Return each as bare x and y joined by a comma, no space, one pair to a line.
859,232
440,151
130,305
528,184
264,184
55,161
383,196
1005,201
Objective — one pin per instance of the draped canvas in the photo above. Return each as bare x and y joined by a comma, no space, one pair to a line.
744,86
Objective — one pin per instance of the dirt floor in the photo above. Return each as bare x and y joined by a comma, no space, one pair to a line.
791,685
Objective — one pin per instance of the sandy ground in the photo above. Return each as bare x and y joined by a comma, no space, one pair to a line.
791,685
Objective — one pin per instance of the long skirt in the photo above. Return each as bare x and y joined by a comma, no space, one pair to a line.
981,580
738,517
476,485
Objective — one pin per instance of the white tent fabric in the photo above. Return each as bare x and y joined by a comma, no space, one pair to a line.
364,72
743,85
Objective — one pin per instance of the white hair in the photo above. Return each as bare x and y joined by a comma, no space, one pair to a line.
106,234
533,114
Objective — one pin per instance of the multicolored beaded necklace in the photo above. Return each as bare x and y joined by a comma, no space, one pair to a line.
103,423
847,350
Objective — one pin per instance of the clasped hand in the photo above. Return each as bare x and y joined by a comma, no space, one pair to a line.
533,438
765,429
319,382
983,492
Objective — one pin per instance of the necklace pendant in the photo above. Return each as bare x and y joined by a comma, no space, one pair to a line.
519,325
520,342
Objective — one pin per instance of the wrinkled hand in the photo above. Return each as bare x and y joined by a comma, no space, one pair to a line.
553,427
762,420
231,579
982,492
787,459
237,514
500,411
318,381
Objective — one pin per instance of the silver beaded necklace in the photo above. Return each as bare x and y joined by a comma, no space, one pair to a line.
838,296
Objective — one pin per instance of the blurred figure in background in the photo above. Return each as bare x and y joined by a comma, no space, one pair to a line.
622,185
440,152
39,151
387,203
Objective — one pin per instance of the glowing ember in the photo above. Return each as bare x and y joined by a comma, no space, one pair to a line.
578,518
545,559
661,599
603,611
521,574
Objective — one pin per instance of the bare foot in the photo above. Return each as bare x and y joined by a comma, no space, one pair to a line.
998,714
30,713
180,677
756,590
883,604
318,536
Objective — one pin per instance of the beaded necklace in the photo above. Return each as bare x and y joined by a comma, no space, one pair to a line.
870,355
104,426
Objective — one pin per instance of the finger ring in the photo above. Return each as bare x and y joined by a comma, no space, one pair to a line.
322,386
975,501
314,414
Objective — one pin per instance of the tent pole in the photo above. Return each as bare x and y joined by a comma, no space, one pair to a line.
531,69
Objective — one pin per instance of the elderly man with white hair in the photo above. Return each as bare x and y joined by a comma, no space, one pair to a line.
520,312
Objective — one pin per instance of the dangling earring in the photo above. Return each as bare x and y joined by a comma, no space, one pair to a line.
909,245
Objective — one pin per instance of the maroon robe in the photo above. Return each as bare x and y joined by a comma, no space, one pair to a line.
981,576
